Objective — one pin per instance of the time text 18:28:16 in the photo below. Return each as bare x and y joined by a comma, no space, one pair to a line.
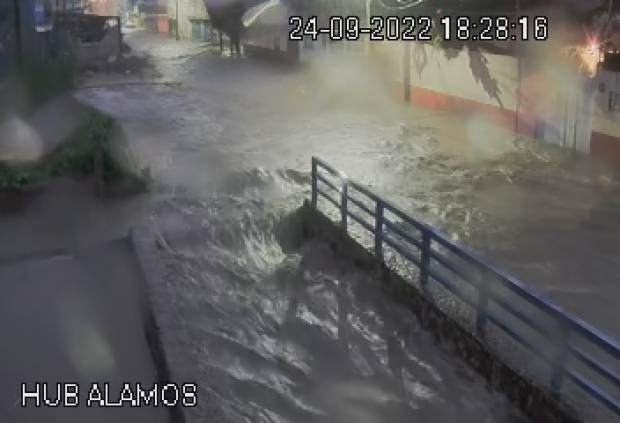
422,28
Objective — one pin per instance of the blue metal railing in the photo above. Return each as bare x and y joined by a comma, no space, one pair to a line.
431,262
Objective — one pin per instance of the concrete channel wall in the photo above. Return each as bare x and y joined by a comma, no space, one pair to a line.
143,245
533,400
173,362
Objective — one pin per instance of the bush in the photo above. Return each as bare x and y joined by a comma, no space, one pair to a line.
44,79
74,158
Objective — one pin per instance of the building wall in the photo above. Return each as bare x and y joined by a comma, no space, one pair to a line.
460,81
105,7
31,40
41,40
606,116
270,29
7,37
433,71
569,122
541,102
187,9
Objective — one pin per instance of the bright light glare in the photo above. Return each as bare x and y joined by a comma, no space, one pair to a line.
589,55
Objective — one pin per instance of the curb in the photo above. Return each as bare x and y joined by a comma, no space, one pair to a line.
143,244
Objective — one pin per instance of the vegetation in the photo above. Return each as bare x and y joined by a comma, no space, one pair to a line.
38,81
45,79
74,158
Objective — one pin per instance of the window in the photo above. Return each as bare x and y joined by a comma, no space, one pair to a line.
43,15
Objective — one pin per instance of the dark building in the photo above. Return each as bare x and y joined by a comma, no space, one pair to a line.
7,35
19,20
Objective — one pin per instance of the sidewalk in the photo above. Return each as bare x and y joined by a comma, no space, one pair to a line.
74,318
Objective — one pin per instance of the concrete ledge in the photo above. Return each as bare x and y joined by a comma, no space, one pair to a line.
139,241
164,330
533,400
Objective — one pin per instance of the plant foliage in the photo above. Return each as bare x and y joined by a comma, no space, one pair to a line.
74,158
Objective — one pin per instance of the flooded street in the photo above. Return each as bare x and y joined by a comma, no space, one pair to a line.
285,332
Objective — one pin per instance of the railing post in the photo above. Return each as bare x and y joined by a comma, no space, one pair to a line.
315,194
561,353
120,37
483,305
379,230
344,188
425,259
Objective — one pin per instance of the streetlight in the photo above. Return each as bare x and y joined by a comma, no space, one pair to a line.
177,21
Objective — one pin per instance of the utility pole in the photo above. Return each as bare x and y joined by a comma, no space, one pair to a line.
18,33
519,73
177,21
610,8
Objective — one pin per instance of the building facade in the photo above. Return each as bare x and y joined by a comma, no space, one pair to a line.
7,36
186,11
105,7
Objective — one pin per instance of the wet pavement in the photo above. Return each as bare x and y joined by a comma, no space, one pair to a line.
74,325
228,143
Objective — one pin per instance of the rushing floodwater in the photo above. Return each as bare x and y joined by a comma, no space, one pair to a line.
285,332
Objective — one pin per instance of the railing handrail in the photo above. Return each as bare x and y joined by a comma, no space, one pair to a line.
565,319
468,255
